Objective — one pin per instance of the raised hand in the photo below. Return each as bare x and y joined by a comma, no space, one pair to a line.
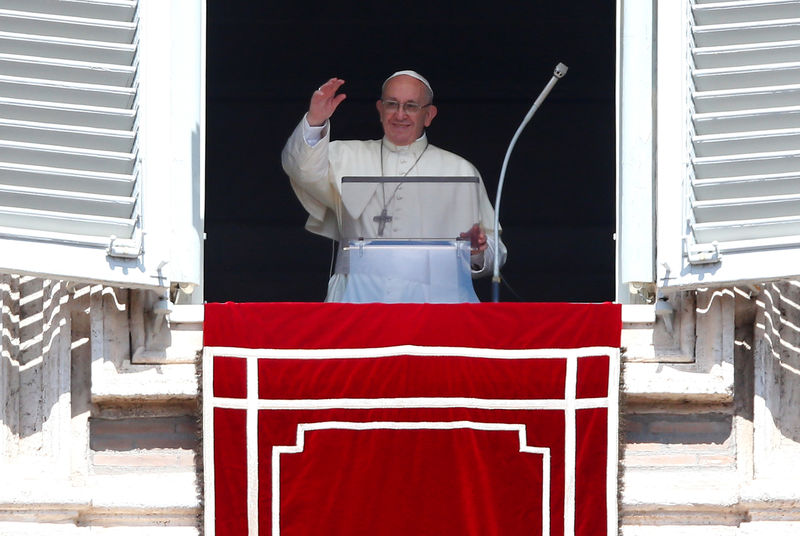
324,102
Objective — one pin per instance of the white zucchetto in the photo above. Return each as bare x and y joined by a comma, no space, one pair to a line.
412,74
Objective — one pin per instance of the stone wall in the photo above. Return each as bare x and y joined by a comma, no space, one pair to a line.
91,441
98,422
712,435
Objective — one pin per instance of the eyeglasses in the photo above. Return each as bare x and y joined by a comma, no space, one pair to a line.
411,108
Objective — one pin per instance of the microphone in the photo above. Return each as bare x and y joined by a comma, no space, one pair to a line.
558,73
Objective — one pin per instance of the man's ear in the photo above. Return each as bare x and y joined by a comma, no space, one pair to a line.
378,106
430,113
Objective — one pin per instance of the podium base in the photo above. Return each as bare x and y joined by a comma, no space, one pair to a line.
409,271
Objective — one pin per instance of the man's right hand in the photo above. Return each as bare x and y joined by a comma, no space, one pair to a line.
324,102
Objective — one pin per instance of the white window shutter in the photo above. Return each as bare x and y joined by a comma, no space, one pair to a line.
75,199
738,218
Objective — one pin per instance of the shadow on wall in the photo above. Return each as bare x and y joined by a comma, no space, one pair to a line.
777,335
34,327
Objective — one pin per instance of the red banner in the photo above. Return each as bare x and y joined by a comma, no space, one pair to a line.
344,419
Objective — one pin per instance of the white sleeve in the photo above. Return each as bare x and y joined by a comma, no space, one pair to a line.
482,264
307,167
312,135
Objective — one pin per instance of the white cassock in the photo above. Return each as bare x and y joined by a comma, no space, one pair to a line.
316,165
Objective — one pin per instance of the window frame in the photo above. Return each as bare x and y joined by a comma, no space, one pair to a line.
668,164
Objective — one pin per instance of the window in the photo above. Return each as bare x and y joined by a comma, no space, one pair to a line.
101,140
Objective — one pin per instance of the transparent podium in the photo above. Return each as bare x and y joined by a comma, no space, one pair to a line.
407,239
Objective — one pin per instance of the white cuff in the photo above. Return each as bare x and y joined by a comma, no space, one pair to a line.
482,264
312,135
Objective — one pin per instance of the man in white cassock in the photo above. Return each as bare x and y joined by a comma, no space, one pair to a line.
316,165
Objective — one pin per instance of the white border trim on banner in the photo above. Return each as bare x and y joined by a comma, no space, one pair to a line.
252,446
407,425
408,349
612,455
412,402
209,510
252,404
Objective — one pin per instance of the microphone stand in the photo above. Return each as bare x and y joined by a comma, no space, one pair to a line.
558,73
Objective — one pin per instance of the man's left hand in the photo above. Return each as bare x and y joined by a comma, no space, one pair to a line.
477,239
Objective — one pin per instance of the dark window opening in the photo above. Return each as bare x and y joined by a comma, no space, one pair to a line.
486,62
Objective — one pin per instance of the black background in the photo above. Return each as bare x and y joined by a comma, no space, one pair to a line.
486,62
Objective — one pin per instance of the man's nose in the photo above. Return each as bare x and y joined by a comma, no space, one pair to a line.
401,112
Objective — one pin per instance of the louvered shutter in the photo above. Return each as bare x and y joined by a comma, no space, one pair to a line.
741,219
71,159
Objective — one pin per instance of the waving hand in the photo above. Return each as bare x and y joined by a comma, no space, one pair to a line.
324,102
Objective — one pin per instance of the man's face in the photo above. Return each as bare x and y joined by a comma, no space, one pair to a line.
400,127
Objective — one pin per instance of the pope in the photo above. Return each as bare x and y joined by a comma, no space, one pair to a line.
315,166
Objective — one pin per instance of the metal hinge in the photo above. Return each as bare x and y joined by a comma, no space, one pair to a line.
704,253
125,248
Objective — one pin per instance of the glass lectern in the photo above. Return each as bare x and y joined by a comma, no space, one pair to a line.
406,239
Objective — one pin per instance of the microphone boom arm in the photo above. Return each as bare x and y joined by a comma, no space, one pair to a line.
558,73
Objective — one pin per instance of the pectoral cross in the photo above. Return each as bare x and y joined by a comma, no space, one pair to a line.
381,221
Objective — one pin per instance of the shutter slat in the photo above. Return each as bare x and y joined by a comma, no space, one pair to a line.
750,76
758,141
67,70
739,230
67,179
747,120
118,10
751,208
66,201
740,34
67,49
745,176
25,22
55,222
66,92
67,114
750,186
742,55
746,99
744,11
68,136
70,158
746,164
